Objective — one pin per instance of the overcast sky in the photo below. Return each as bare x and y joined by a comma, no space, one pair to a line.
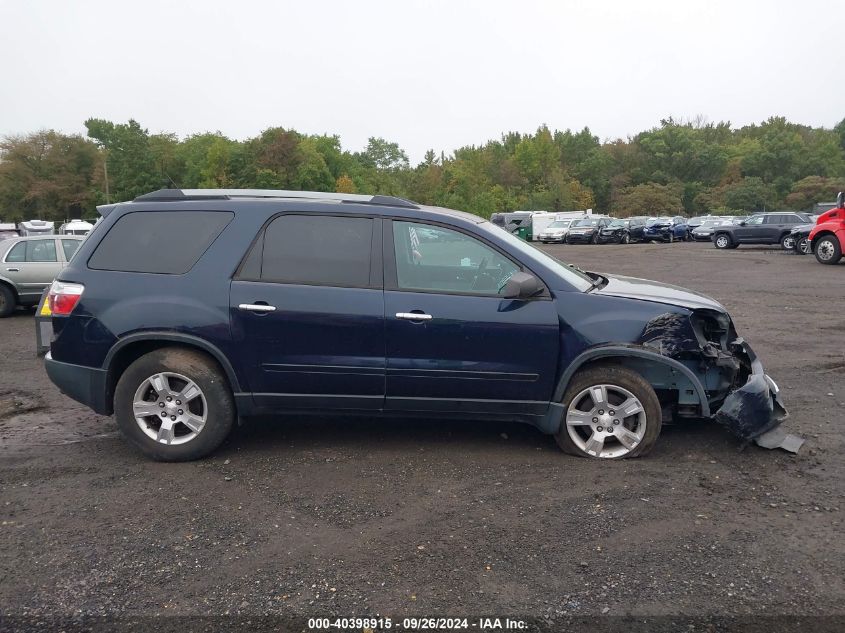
424,74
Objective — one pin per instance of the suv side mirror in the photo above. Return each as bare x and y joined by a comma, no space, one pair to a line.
742,222
522,286
840,200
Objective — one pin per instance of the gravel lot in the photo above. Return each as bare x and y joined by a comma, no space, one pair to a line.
312,517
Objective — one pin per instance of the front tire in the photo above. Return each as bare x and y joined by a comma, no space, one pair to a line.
787,242
722,241
626,239
803,246
828,250
611,412
7,301
174,405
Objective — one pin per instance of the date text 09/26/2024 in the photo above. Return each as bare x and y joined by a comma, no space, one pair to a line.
416,624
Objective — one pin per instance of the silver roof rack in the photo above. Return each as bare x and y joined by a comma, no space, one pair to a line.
172,195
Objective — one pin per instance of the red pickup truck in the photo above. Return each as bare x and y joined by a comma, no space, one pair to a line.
828,236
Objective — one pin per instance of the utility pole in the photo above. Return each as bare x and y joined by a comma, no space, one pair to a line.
106,176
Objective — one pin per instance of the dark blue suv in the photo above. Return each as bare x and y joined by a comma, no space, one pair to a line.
185,310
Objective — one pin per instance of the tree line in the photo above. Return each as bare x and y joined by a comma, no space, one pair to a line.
690,167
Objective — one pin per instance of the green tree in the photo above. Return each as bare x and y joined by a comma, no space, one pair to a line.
48,175
750,194
807,191
132,167
383,154
648,199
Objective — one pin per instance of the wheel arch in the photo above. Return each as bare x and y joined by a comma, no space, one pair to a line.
10,286
658,370
822,234
130,348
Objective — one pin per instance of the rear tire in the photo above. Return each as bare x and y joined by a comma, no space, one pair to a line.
7,301
722,241
196,419
827,250
621,436
626,239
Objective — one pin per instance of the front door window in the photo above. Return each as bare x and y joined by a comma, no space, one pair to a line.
436,259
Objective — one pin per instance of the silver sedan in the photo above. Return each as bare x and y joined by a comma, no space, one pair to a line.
29,264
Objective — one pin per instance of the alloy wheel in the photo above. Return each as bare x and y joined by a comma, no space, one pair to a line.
606,421
804,246
170,408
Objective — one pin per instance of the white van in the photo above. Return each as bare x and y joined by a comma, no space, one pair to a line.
36,227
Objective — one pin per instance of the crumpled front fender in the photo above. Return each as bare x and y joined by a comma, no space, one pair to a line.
753,410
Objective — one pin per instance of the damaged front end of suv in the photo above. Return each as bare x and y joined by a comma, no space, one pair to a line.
737,392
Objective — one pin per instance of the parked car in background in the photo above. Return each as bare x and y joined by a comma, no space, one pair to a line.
760,228
622,231
704,232
616,232
555,232
586,230
542,220
696,221
286,301
799,239
827,238
28,265
666,229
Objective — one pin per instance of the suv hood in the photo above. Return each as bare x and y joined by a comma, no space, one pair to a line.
643,289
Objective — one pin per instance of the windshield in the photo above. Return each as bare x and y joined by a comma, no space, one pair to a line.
585,222
616,224
560,224
710,223
663,220
579,279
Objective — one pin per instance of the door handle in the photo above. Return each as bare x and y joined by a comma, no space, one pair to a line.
413,316
256,307
14,270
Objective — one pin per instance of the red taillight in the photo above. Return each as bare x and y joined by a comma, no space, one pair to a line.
63,297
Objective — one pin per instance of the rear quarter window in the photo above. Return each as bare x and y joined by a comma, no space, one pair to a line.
165,242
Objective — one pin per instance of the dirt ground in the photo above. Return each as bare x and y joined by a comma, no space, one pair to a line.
313,517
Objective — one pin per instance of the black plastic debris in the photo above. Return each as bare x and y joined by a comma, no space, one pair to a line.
753,411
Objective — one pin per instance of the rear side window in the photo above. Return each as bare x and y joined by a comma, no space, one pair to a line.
317,249
17,253
69,247
168,242
33,251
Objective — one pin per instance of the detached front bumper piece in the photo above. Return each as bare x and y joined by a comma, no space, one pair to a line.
755,410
